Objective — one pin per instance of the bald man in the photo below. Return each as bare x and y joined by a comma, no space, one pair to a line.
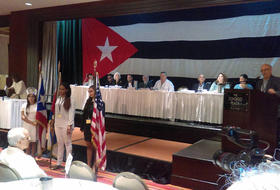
269,84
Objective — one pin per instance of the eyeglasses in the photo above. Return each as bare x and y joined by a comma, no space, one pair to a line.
267,69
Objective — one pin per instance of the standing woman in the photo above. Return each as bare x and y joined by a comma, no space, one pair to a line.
64,122
87,115
28,115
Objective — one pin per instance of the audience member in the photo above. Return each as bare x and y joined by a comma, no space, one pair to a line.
164,83
220,84
28,115
243,83
15,158
146,82
201,85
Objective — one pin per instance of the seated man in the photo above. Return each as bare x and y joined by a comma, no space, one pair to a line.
164,83
110,81
146,82
201,85
269,84
15,158
130,82
18,89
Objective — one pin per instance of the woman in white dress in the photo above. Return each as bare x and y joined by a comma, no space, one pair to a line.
28,115
64,122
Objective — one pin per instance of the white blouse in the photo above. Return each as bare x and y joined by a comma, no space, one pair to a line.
63,118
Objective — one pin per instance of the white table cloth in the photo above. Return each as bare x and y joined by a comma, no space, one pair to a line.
201,107
57,184
10,115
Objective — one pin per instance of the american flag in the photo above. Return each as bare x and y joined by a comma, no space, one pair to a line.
98,128
41,114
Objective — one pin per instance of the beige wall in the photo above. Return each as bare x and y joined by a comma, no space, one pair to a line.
4,61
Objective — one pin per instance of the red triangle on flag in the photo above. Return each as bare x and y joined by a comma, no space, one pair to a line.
104,45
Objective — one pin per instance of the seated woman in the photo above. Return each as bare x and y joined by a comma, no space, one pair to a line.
89,80
243,83
117,79
220,84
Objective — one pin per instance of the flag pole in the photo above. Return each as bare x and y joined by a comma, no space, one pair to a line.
53,116
39,148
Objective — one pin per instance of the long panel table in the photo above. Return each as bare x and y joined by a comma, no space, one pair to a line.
10,115
201,107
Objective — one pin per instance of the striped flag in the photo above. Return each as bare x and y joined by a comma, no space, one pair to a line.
98,128
41,114
233,39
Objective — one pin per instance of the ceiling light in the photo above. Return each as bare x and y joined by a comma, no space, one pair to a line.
28,4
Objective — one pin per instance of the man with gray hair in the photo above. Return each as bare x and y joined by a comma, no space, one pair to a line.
15,158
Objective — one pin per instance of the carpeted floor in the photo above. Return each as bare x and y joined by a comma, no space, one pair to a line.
103,177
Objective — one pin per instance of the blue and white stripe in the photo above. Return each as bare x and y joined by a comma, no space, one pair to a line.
231,39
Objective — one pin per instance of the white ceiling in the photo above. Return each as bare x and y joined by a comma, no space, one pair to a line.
8,6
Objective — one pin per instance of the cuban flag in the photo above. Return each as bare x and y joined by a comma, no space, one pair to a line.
233,39
41,114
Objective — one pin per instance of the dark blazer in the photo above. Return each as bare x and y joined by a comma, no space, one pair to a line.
120,83
205,87
273,82
126,84
148,85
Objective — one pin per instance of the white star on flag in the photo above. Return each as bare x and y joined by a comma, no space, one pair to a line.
106,50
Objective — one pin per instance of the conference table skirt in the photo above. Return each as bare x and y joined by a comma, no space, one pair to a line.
201,107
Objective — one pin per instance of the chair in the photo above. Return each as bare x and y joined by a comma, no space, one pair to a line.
8,174
80,170
129,181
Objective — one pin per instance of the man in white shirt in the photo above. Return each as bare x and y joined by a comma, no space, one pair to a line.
164,83
15,158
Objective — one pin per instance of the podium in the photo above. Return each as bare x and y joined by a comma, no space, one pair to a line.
253,110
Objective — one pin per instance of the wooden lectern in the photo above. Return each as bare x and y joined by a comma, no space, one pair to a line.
253,110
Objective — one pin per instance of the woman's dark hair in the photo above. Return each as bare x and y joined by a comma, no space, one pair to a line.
28,103
89,100
67,101
225,79
244,76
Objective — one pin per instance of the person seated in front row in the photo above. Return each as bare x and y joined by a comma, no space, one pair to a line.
220,84
243,83
89,80
14,156
146,82
117,79
130,82
201,85
164,83
18,89
110,81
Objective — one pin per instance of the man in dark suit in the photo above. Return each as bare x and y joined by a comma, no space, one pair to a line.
269,84
201,85
130,82
146,82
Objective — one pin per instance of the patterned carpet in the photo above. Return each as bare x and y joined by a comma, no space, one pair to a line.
103,177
